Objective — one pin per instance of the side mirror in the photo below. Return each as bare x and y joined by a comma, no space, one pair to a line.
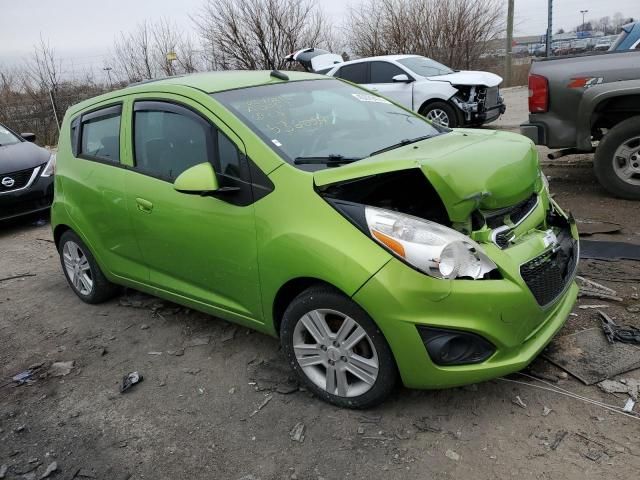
29,137
401,78
197,180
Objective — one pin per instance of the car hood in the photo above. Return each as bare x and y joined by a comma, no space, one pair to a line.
21,156
469,77
469,169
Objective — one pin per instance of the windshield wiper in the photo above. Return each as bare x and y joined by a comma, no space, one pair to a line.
332,159
401,143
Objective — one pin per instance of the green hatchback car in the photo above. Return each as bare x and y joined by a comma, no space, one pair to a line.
374,244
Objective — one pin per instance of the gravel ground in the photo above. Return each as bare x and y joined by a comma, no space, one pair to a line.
218,402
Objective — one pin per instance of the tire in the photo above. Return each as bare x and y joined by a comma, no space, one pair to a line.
330,356
617,153
79,263
437,110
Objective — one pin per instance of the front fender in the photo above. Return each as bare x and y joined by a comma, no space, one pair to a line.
593,97
426,90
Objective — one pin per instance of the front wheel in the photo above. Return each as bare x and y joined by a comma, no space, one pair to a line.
441,113
617,160
337,350
82,271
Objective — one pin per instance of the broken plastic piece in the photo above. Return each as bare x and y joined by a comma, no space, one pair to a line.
628,407
615,333
23,377
129,380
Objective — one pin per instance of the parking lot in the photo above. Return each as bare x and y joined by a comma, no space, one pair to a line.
218,401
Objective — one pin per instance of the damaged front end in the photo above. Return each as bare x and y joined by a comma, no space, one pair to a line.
479,104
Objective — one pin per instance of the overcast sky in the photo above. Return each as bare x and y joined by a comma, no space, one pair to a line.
82,31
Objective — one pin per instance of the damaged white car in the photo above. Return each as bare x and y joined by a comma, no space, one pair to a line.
445,96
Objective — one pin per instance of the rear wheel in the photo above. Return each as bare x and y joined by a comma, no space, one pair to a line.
82,272
441,113
337,350
617,160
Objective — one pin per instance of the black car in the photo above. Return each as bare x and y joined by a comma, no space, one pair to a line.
26,175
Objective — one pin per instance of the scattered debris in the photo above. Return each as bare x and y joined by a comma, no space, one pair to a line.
629,386
602,250
628,407
452,455
192,371
262,405
19,428
590,227
518,401
615,333
20,275
154,353
563,375
23,377
546,411
129,380
60,369
594,455
297,432
53,466
177,353
587,307
144,326
232,390
3,471
559,438
591,289
197,341
634,308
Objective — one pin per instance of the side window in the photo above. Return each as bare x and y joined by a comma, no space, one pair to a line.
101,134
169,139
231,163
383,72
356,73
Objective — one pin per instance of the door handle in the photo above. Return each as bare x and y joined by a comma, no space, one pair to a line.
144,205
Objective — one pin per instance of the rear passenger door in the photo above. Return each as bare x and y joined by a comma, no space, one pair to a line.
200,248
93,190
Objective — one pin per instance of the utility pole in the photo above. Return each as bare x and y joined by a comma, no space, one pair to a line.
508,57
108,70
549,28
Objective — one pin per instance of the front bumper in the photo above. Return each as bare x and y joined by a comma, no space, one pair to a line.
486,116
36,198
504,312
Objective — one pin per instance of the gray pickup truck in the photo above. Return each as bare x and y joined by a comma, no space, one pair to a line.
590,103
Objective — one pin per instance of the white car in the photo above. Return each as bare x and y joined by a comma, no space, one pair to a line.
448,97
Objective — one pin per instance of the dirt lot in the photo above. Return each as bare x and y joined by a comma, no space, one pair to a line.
197,413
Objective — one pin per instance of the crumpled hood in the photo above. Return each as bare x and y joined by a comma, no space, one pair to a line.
469,77
469,169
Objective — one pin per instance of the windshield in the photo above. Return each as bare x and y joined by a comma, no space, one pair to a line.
6,137
425,67
324,119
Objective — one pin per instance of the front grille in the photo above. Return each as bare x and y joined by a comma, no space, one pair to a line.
20,179
513,214
548,275
491,99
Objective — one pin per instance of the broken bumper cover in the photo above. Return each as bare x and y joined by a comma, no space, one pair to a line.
505,313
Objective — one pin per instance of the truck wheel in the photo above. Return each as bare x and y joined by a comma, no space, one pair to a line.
441,113
617,160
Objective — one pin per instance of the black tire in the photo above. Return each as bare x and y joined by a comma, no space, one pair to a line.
326,298
101,289
443,107
604,160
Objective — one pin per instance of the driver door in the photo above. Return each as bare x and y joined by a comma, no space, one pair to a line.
200,248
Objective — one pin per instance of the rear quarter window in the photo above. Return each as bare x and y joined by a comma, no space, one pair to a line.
100,134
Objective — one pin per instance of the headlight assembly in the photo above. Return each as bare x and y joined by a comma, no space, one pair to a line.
434,249
50,167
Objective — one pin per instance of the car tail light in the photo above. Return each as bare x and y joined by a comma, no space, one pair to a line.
538,94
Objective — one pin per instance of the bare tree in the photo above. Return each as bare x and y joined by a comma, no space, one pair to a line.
451,31
133,55
258,34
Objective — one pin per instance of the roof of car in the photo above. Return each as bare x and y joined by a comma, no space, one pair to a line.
212,82
395,58
209,82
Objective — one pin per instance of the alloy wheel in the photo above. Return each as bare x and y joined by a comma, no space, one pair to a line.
77,266
626,161
438,116
335,353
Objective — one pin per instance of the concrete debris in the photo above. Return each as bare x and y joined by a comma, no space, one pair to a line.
628,407
60,369
197,341
19,428
590,284
176,353
630,386
518,401
559,438
452,455
563,375
587,307
297,432
144,326
53,466
154,353
546,411
232,390
262,405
